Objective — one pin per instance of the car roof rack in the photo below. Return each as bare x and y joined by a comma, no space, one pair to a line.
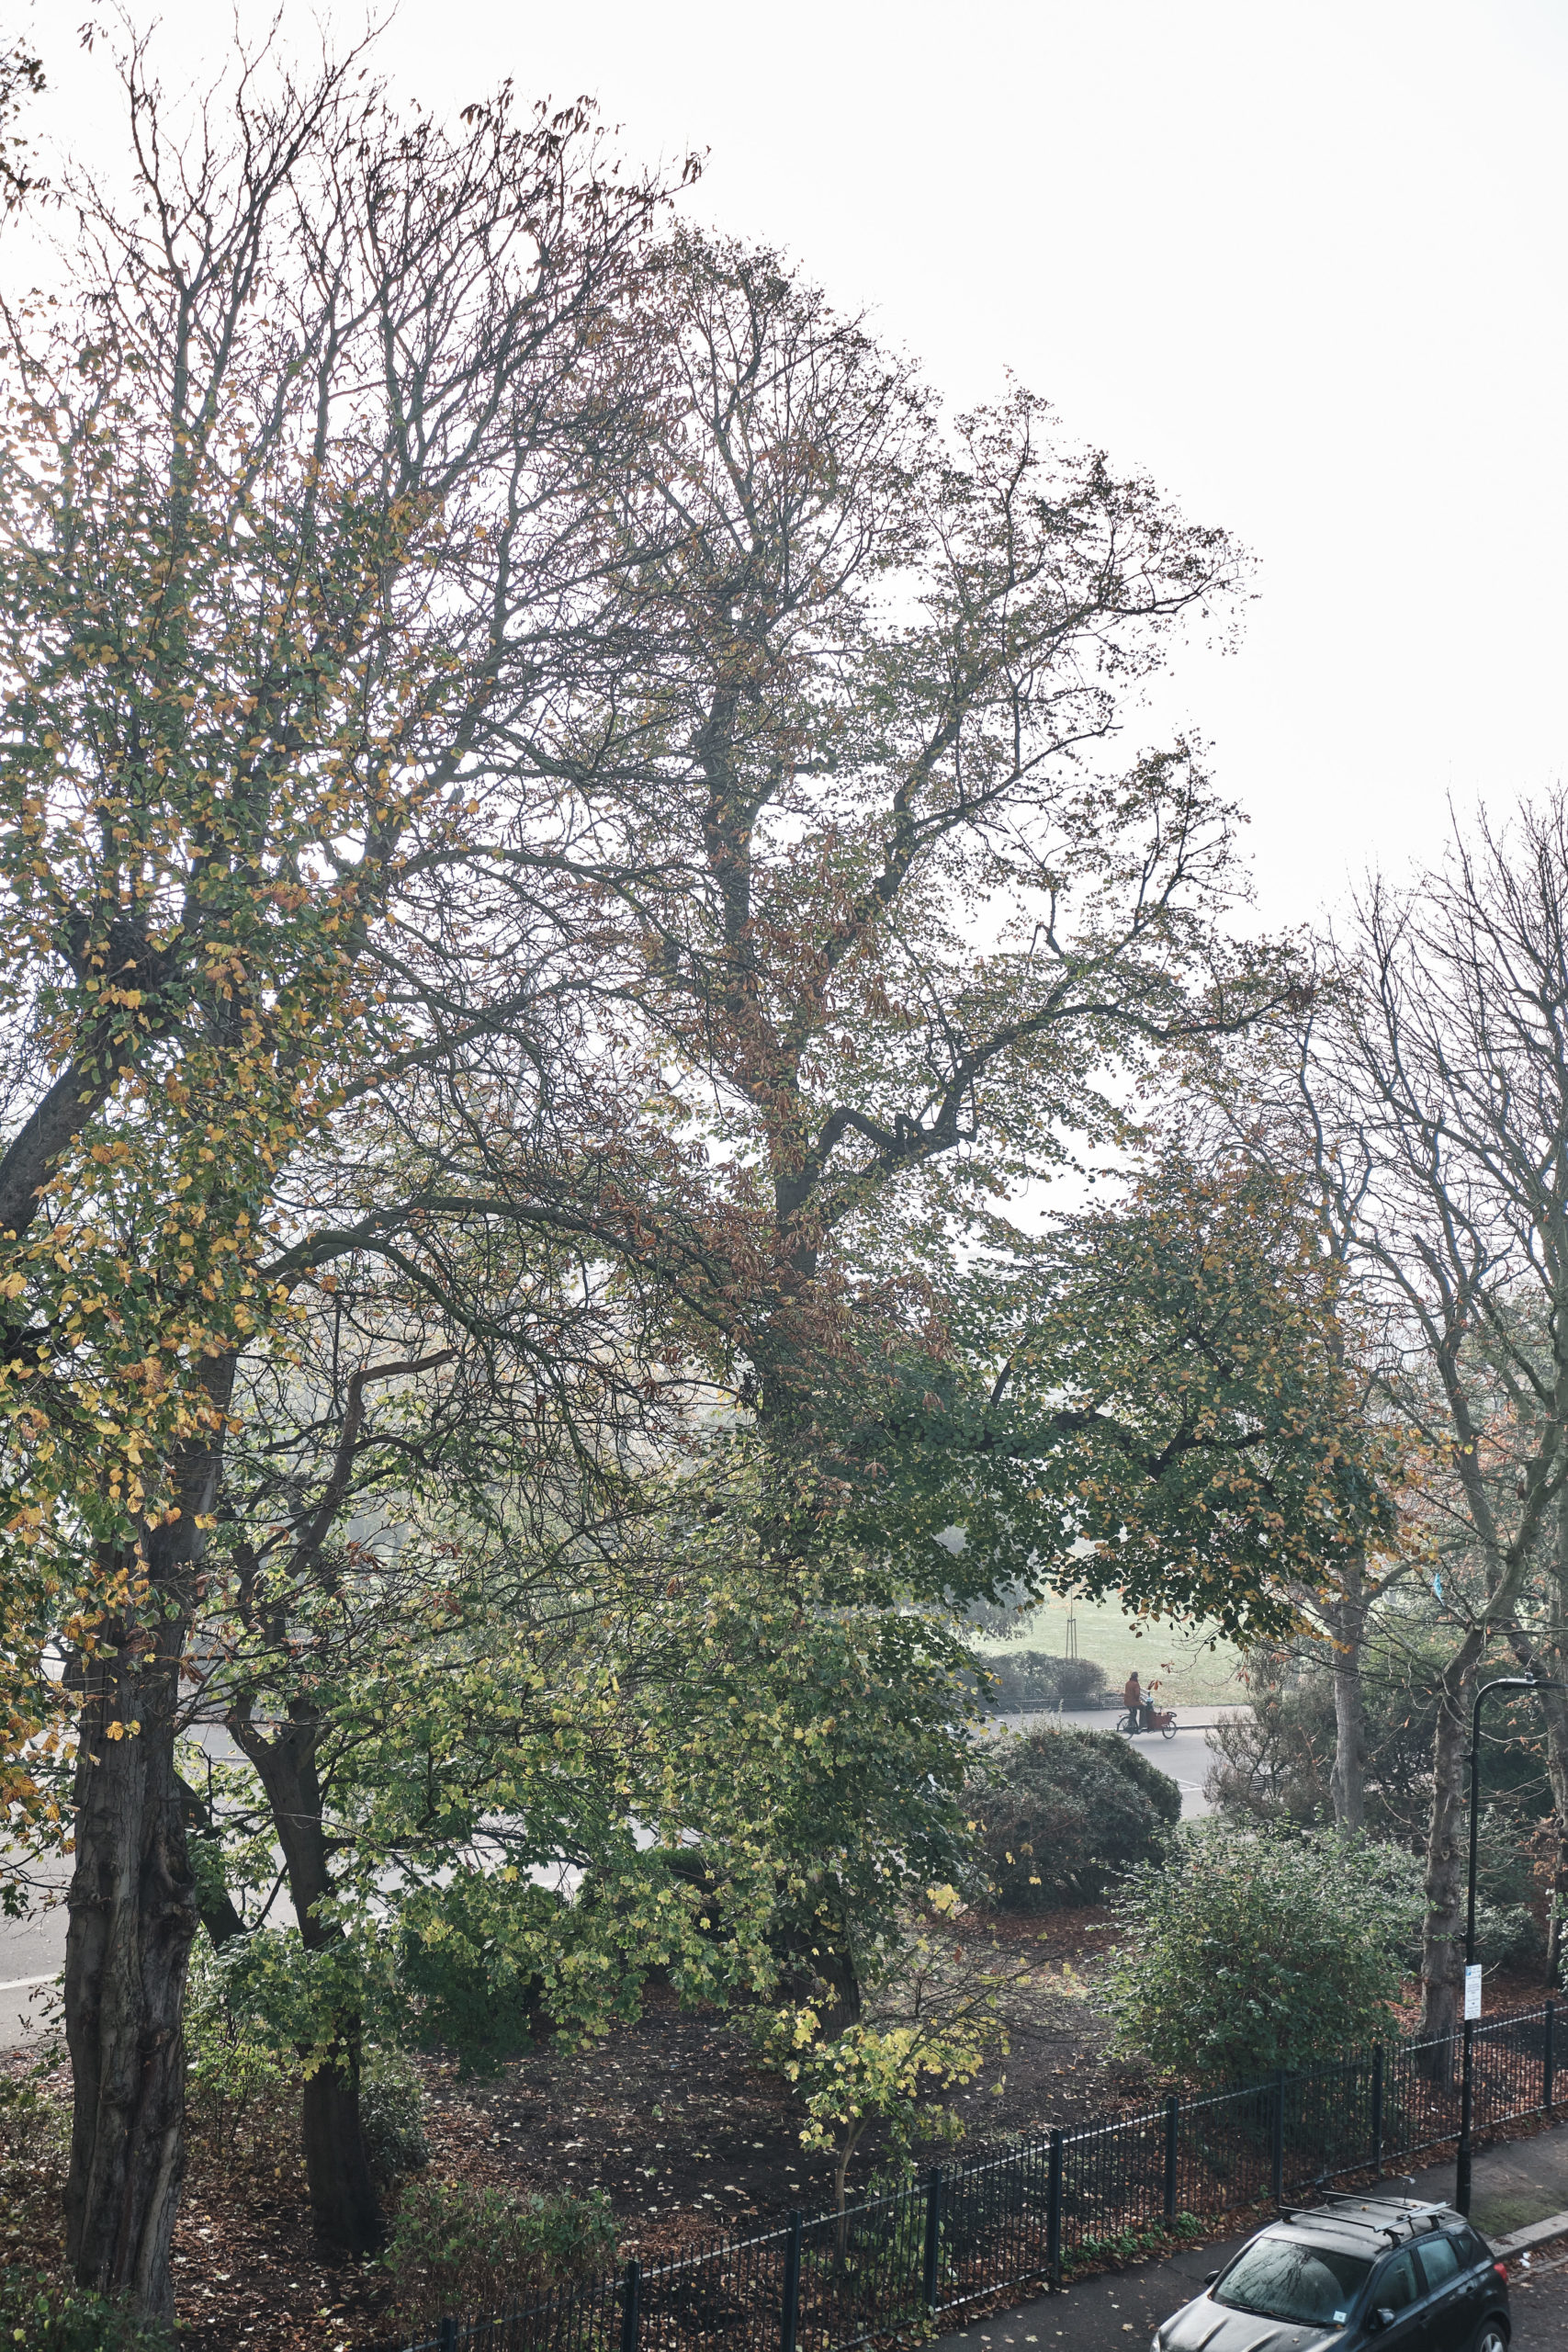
1345,2221
1403,2217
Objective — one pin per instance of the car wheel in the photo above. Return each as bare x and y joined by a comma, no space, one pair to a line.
1492,2337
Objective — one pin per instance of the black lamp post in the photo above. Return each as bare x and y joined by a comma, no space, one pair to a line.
1467,2084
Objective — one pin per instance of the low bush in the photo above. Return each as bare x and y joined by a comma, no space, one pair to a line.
1250,1950
1063,1814
242,2095
463,1964
456,2248
1022,1681
48,2315
35,2139
391,2114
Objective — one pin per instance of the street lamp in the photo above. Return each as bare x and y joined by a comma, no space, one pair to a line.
1503,1682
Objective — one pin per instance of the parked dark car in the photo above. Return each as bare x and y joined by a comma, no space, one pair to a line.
1363,2274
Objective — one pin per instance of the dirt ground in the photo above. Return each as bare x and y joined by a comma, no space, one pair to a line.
670,2117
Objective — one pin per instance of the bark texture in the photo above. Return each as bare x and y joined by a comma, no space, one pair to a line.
343,2195
132,1911
132,1914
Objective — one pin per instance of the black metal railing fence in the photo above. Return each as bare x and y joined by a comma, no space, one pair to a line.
824,2282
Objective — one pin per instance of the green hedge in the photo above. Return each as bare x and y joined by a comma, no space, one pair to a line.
1022,1680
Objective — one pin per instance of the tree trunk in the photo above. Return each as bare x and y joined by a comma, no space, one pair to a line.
1545,1659
1347,1782
132,1909
215,1905
344,2208
1442,1939
1554,1706
133,1913
343,2195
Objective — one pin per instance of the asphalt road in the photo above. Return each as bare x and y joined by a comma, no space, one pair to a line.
30,1948
1539,2301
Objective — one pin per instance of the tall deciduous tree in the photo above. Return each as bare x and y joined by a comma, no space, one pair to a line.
848,858
285,549
865,897
878,920
1436,1090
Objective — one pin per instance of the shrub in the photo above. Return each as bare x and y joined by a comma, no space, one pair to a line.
1024,1680
1248,1950
34,2145
457,2248
238,2086
463,1961
391,2114
1062,1813
932,2013
48,2315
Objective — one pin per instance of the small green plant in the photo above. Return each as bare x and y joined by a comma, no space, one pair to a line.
933,2015
47,2316
457,2247
391,2114
1249,1950
1130,2244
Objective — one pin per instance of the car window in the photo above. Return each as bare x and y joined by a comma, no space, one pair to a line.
1283,2276
1439,2260
1395,2285
1469,2247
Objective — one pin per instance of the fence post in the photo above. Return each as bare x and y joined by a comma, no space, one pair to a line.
789,2318
1279,2165
446,2335
1377,2112
933,2238
1548,2056
1172,2117
631,2306
1053,2210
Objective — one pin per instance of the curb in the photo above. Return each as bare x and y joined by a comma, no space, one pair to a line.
1519,2240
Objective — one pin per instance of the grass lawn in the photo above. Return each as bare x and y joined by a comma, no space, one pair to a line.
1194,1666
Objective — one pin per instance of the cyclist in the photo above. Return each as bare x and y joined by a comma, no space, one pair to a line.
1140,1710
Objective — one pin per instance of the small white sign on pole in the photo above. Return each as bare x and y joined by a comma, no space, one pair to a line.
1472,1991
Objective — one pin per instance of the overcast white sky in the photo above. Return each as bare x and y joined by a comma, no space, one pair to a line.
1303,262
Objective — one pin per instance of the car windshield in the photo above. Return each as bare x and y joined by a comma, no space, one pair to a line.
1285,2277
